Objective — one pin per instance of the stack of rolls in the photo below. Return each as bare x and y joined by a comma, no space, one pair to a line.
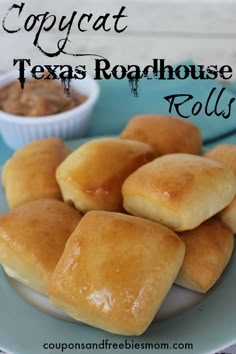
106,230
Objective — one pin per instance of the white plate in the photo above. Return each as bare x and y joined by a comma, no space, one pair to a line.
26,323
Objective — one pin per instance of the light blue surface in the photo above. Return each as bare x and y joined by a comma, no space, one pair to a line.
210,325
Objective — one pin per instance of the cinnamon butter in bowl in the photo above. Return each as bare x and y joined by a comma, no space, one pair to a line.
43,108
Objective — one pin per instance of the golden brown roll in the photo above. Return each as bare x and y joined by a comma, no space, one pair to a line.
226,153
32,239
115,271
179,190
92,176
165,134
228,215
30,173
208,251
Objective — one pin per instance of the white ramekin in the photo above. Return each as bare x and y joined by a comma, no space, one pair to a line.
17,131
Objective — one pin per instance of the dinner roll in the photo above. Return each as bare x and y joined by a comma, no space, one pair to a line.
226,153
165,134
115,271
30,173
208,251
92,176
179,190
32,239
228,215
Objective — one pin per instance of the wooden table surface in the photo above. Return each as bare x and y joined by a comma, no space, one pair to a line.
202,31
